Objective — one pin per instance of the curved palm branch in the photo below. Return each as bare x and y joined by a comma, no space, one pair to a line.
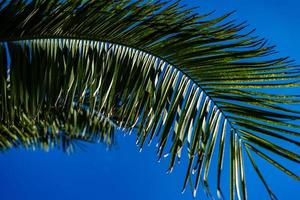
74,71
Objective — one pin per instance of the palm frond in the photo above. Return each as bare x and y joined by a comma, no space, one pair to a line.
78,70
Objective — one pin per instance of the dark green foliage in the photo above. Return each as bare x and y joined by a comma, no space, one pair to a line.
73,71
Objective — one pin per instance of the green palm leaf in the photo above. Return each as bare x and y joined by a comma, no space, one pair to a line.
74,71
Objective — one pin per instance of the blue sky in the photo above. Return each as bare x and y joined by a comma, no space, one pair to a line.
123,172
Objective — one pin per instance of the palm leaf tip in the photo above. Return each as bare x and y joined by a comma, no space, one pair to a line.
76,71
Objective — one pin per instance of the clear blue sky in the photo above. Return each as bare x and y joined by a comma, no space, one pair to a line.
123,173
